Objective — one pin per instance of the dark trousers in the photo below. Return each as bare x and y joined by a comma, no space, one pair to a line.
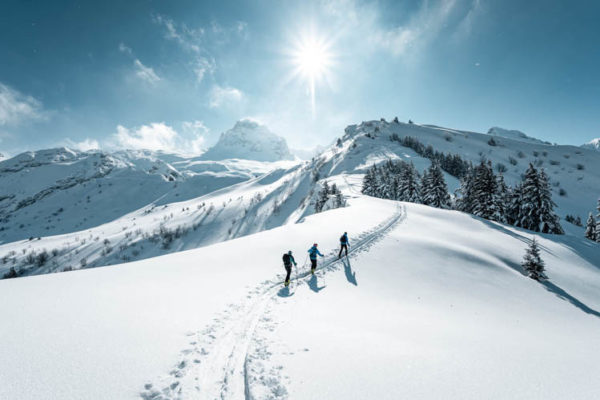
288,269
344,247
313,263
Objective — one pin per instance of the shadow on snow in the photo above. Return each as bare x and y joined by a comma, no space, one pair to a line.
350,275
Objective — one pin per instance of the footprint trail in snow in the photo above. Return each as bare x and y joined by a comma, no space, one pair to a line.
228,358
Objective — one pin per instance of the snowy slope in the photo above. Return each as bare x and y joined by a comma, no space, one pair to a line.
593,144
574,172
281,196
56,191
431,304
94,209
251,141
514,135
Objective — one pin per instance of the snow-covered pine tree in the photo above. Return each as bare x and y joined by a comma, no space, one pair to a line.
382,181
333,189
425,185
465,201
434,190
369,181
530,207
408,186
484,192
598,223
501,198
513,204
322,197
550,222
590,228
339,200
533,263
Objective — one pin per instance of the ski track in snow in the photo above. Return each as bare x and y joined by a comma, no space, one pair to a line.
225,360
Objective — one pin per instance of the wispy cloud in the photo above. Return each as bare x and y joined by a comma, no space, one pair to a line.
188,38
203,67
156,136
123,48
145,73
195,133
423,27
223,96
16,107
160,136
200,41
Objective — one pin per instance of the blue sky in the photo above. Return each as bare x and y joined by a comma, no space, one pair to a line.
173,75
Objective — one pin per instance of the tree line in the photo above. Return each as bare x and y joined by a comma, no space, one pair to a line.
482,193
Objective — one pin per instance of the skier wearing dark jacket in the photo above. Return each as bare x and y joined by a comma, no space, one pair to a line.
344,243
288,259
313,252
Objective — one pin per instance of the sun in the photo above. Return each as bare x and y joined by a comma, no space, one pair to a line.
312,60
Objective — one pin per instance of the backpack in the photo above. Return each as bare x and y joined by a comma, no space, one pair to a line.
286,259
342,239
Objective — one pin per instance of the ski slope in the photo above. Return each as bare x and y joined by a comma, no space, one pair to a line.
430,304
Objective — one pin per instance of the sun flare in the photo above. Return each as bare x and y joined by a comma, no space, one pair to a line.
312,59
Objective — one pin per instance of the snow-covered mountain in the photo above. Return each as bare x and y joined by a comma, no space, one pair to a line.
593,144
574,172
514,134
249,140
195,306
139,212
61,190
94,208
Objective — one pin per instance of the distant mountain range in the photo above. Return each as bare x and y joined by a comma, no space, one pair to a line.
98,208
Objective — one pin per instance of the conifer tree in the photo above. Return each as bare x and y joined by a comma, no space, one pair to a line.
501,198
485,187
533,263
408,186
598,223
368,187
322,197
434,190
339,200
465,202
590,228
529,213
513,205
549,221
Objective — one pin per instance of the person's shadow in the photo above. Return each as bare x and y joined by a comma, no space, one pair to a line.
313,284
350,275
284,292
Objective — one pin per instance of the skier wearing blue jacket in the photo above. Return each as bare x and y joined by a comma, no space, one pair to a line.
344,243
313,252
